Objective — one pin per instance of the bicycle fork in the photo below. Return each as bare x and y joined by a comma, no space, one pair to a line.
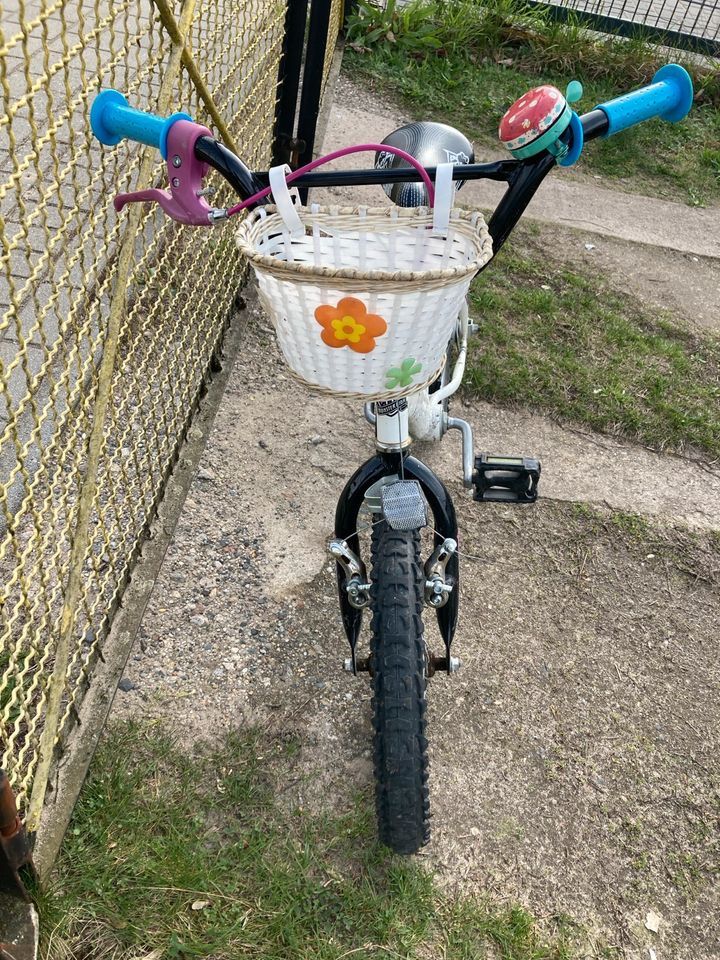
389,485
395,486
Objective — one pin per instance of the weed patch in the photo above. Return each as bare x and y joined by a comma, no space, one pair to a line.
190,856
561,342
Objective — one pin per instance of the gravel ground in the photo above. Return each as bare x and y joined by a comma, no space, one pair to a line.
574,759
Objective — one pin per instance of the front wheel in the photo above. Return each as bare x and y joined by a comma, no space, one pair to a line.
399,705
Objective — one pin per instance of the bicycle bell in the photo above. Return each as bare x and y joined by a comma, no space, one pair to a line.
537,121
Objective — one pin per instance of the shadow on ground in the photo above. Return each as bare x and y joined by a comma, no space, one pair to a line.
574,758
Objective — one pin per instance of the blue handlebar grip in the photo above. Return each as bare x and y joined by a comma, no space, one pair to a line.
669,96
112,119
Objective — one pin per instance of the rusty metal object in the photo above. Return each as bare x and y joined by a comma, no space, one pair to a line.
296,146
15,849
18,919
435,663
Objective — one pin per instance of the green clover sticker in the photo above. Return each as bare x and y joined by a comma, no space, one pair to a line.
402,376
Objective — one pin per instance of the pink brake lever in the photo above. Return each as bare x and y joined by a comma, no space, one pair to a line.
182,201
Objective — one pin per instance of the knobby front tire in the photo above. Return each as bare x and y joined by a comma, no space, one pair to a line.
399,704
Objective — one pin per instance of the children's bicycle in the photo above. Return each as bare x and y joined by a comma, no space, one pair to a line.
371,304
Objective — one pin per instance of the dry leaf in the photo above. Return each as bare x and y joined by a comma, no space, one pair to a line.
200,904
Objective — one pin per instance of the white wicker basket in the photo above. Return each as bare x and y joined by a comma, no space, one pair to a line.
364,301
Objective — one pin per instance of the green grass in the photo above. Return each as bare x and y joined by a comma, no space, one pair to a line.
464,64
170,856
562,343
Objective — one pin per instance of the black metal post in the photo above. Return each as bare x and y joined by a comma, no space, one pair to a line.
349,7
289,81
313,78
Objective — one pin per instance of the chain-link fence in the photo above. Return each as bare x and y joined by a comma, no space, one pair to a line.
691,23
108,323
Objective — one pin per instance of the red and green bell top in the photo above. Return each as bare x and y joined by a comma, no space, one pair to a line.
537,120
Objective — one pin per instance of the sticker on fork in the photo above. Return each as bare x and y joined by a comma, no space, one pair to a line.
390,408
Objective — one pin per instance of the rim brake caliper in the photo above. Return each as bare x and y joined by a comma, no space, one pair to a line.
437,589
356,581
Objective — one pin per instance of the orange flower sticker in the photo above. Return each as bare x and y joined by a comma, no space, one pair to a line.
350,325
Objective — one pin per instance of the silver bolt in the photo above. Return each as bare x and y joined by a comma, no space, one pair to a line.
435,600
438,587
455,664
347,665
177,161
176,182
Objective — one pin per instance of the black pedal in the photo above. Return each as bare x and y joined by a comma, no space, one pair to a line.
506,479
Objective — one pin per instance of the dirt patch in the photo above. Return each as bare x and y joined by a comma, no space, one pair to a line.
685,285
586,721
574,759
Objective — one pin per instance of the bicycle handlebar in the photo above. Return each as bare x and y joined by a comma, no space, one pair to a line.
112,119
669,96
